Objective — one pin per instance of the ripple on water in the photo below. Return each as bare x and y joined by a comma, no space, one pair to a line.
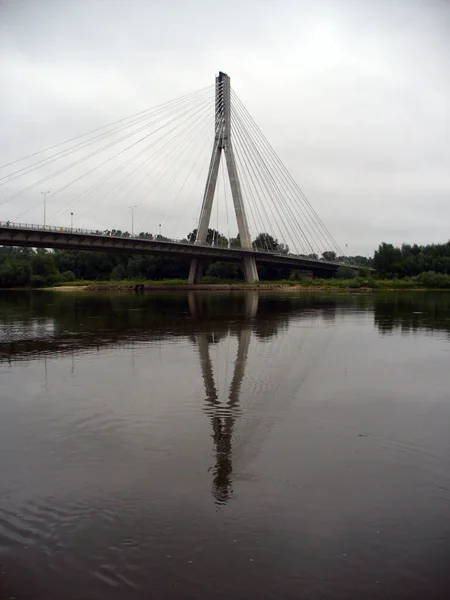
300,453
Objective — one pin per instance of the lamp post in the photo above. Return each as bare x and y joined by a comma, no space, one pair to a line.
132,218
45,203
160,230
71,222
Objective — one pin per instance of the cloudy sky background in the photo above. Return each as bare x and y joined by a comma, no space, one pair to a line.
352,94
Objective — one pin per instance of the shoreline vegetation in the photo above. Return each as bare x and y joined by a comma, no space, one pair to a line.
391,268
178,285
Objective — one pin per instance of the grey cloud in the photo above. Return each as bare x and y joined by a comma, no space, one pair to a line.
353,95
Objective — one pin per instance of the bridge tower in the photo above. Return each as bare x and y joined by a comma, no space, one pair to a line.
222,141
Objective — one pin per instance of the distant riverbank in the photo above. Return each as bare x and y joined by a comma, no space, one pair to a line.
211,287
322,285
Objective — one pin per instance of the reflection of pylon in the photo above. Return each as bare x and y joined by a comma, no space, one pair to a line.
223,416
222,141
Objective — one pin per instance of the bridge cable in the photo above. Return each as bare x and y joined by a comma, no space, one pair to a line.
247,177
187,152
131,175
136,155
199,171
271,185
141,114
287,207
256,182
84,174
182,150
281,197
79,161
281,167
64,153
256,177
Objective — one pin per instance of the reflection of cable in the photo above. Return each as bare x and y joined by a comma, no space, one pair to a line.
229,446
226,362
264,412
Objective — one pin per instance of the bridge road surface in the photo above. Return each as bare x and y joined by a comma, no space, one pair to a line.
64,238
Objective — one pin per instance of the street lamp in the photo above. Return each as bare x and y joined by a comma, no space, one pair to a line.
45,203
71,222
160,230
132,218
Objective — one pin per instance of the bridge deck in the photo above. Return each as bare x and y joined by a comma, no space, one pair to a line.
34,236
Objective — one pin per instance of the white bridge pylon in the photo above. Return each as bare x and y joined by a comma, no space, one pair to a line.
222,142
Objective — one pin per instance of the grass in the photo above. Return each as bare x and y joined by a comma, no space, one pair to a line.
331,284
121,282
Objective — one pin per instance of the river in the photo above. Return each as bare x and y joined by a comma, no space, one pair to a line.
224,446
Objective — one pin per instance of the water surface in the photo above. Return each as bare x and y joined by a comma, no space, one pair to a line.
224,446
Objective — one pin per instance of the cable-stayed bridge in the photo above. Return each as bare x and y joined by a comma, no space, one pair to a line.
154,167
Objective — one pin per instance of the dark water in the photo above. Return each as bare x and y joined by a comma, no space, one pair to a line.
217,447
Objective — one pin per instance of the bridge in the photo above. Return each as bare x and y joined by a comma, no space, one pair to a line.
25,235
276,224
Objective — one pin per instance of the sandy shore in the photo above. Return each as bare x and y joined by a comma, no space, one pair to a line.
272,287
66,288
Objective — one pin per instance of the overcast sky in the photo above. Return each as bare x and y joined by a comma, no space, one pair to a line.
353,95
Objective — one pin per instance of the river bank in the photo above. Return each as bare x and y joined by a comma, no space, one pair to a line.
228,287
356,285
225,287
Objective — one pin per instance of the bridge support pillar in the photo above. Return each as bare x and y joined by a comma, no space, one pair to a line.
222,142
250,270
196,271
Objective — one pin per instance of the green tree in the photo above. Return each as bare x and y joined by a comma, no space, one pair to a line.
212,237
346,273
265,241
386,259
224,270
43,268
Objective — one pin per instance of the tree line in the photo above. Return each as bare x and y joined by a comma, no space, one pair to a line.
22,267
392,262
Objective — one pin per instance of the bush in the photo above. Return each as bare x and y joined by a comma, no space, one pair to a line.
118,272
68,276
363,282
345,273
431,279
224,270
38,281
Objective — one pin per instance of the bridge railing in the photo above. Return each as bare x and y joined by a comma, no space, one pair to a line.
155,238
94,232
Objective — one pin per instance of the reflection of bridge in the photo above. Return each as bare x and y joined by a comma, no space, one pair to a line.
266,200
195,316
86,323
223,416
